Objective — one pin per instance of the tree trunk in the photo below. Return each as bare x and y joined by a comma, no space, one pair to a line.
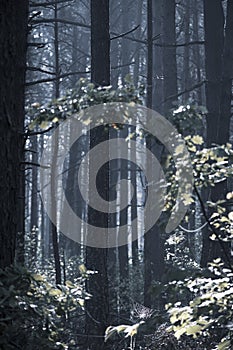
186,52
153,245
196,52
149,53
218,100
136,69
169,54
158,59
227,77
97,308
54,208
13,43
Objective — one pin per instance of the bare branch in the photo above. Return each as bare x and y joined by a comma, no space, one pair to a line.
33,16
124,34
123,65
194,87
32,133
38,45
156,37
130,38
197,42
60,20
44,4
36,164
83,25
37,69
49,80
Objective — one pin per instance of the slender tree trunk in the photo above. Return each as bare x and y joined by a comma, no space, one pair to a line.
154,249
169,54
218,92
186,51
54,162
136,70
125,45
196,51
34,195
158,59
100,42
97,308
149,53
13,39
227,77
214,38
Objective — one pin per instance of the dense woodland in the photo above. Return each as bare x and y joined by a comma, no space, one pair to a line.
159,290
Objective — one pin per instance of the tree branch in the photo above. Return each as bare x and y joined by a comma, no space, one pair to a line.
79,24
156,37
49,80
130,38
36,164
185,91
123,65
197,42
60,20
38,45
124,34
32,133
44,4
37,69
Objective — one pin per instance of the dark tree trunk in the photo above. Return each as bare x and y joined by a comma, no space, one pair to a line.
218,100
100,42
154,250
136,69
13,41
149,53
125,45
169,54
97,308
34,195
54,208
186,52
196,51
214,38
227,77
158,59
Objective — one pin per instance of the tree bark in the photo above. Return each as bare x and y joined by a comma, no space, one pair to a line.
149,53
219,69
13,39
186,84
169,54
97,308
158,59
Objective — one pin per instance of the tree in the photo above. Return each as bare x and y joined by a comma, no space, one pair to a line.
169,54
13,44
219,70
96,258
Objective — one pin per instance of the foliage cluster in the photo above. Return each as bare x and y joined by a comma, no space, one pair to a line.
34,313
83,96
